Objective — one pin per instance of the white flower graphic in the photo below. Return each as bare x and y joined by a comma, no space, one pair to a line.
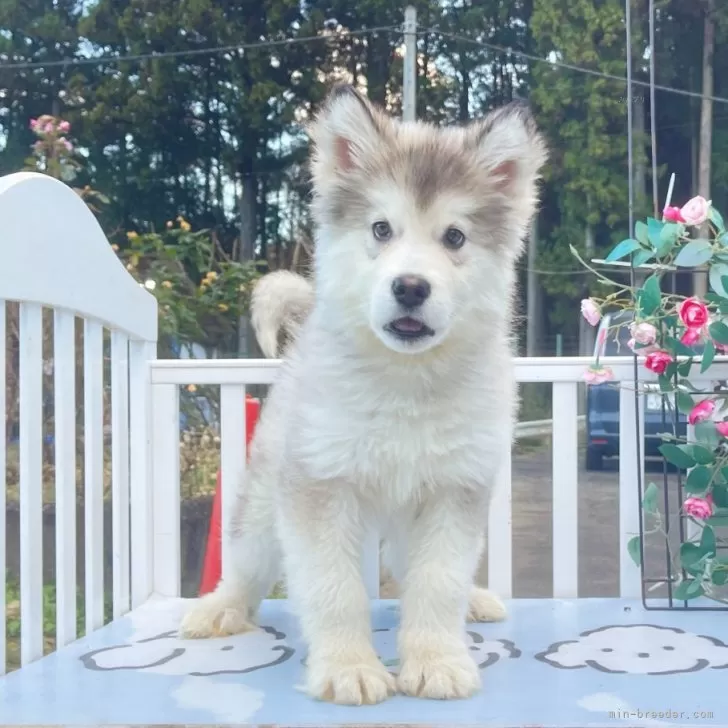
638,649
167,654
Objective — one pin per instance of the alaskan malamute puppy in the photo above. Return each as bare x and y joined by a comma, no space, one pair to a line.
395,403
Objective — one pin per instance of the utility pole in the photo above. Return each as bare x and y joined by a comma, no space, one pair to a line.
409,79
700,284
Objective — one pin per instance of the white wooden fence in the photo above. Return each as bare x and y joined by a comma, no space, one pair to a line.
55,256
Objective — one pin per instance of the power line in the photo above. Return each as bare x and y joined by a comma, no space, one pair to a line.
104,60
282,42
570,66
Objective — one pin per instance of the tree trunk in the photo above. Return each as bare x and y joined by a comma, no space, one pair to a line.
247,207
533,295
706,125
586,332
640,162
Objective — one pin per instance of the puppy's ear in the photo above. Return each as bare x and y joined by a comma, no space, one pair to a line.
510,149
345,131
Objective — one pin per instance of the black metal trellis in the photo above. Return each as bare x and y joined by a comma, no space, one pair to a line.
669,577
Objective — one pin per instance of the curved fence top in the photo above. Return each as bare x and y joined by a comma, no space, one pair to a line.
53,252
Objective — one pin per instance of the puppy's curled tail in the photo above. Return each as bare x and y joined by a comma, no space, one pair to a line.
280,303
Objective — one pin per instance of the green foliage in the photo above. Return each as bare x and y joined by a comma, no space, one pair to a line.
672,326
201,292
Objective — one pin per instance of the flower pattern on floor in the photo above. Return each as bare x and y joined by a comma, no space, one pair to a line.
638,649
167,654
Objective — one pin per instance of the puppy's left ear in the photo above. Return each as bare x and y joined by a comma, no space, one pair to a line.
510,149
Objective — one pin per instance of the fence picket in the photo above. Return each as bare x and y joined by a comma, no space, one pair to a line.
64,418
31,482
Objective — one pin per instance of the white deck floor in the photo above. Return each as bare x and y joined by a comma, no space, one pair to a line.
595,662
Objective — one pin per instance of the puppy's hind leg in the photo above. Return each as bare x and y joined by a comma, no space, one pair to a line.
255,554
483,605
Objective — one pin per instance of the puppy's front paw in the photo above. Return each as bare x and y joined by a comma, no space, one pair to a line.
430,673
484,606
353,681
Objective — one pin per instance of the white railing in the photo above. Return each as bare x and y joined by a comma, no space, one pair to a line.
565,375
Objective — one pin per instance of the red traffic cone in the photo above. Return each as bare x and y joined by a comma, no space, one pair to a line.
212,565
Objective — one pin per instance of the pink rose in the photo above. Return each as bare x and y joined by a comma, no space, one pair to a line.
643,333
722,428
590,311
691,337
64,127
672,214
642,350
695,211
700,508
658,361
701,412
48,128
66,144
693,313
598,375
33,124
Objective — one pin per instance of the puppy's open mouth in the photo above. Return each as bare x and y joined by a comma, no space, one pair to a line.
408,328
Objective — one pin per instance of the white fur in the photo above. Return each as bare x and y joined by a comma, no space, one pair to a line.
364,430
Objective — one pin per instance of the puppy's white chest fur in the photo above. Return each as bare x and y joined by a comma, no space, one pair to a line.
392,433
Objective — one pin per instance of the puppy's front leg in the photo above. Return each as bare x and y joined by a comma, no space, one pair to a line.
444,547
322,531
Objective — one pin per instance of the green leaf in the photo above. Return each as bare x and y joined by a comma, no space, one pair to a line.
641,233
641,257
677,455
623,249
698,480
648,296
720,495
654,231
702,455
719,332
708,356
723,240
649,501
688,589
690,386
719,578
683,369
706,433
708,541
634,549
695,253
675,346
716,218
690,556
720,521
718,271
669,235
684,402
671,369
665,383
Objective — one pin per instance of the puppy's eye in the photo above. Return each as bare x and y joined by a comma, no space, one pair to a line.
454,238
382,230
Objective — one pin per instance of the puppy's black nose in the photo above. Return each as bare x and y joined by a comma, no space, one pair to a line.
410,291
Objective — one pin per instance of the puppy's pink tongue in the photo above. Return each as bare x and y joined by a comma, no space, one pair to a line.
408,324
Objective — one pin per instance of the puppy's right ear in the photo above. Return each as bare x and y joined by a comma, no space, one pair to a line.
345,131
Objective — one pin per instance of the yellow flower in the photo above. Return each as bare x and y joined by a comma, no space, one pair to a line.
242,288
185,226
211,276
191,388
132,235
167,284
115,247
223,306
